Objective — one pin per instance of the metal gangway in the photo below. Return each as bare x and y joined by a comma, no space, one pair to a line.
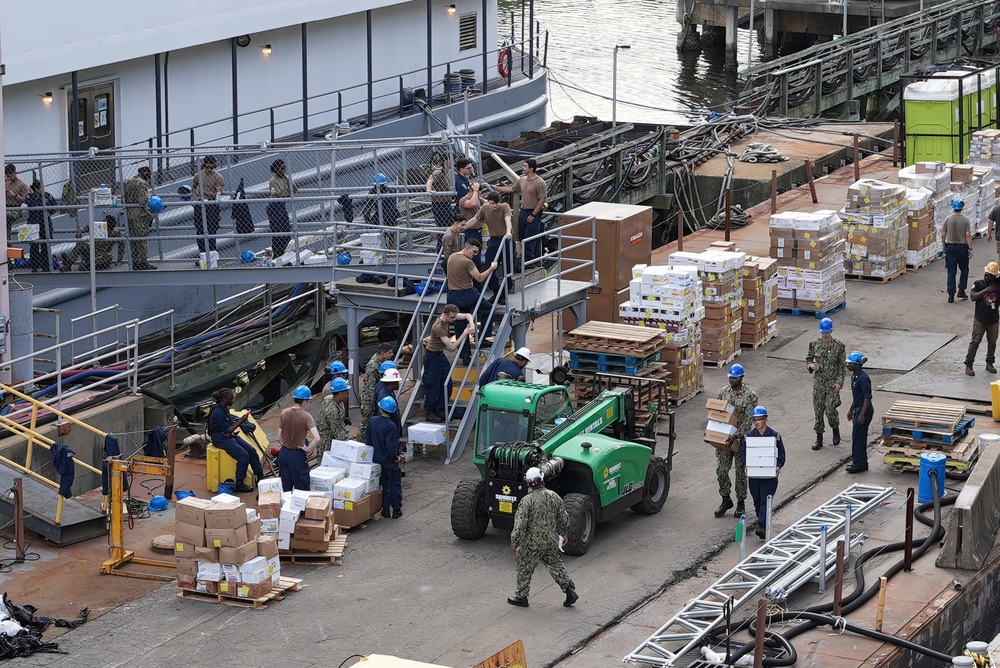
819,78
783,555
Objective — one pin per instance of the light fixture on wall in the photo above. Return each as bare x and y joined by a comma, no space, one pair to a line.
46,98
452,9
266,49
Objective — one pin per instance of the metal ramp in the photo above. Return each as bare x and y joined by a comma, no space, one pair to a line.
781,556
79,522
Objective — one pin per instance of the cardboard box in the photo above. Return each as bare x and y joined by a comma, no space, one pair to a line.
719,405
253,565
191,510
322,479
183,550
717,440
187,533
311,530
267,547
351,451
299,499
207,587
350,489
207,554
210,572
186,581
238,555
269,505
284,541
269,486
721,416
329,461
225,516
248,590
256,577
358,512
269,526
187,567
317,508
253,529
226,498
365,471
286,526
226,537
301,544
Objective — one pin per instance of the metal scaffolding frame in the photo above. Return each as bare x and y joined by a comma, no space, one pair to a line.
787,552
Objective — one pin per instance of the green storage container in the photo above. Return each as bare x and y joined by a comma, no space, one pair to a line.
931,114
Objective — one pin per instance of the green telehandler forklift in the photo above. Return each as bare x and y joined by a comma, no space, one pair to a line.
595,458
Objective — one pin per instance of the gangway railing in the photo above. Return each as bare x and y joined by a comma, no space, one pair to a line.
33,438
819,78
783,554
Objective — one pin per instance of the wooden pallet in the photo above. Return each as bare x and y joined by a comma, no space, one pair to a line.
905,463
961,451
334,554
816,314
277,593
722,363
929,436
924,416
875,279
615,339
755,346
921,265
681,400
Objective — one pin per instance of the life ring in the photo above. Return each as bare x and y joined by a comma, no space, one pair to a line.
505,62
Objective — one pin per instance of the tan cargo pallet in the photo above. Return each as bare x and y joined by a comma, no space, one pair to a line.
924,416
901,463
722,363
277,593
615,339
921,265
681,400
961,451
875,279
334,554
755,346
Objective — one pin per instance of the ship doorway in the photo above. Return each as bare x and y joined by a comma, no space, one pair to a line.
97,109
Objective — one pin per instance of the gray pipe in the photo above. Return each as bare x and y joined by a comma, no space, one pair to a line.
22,331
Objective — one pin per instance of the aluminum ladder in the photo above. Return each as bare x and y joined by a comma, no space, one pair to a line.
784,553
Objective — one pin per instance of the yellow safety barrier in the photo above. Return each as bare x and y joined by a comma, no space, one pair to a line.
33,437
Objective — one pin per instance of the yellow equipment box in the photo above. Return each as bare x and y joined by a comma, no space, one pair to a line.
221,467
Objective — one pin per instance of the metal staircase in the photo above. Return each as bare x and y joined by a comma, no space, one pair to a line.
784,555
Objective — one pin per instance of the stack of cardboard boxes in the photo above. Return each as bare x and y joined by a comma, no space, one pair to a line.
220,549
300,521
922,246
975,186
760,301
721,273
876,229
936,177
722,421
808,247
984,150
355,494
670,299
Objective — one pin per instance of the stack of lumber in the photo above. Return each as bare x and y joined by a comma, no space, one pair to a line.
911,428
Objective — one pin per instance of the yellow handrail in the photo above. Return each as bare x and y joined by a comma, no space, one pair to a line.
43,441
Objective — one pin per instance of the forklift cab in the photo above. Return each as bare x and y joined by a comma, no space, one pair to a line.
508,422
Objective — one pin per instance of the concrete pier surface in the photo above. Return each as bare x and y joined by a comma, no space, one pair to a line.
408,587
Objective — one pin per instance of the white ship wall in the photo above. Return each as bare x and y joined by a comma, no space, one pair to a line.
199,78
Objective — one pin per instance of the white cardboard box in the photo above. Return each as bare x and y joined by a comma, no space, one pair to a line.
329,461
720,427
253,565
365,471
352,451
289,512
209,571
350,489
269,526
761,456
226,498
426,433
299,499
322,479
284,541
269,485
286,526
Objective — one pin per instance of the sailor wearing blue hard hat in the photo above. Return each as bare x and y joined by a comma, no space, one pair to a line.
825,361
331,420
860,413
743,400
385,352
956,234
383,436
298,436
338,369
762,484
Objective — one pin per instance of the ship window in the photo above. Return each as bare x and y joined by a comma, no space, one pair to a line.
467,31
81,115
102,115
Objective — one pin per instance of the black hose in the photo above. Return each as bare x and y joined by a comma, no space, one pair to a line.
166,402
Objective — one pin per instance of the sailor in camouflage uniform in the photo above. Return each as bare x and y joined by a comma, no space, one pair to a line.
368,382
743,399
541,520
825,362
331,418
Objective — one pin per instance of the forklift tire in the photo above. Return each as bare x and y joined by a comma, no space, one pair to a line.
582,523
469,519
559,376
654,492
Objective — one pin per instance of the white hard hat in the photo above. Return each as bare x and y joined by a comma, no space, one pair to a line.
533,476
391,376
523,352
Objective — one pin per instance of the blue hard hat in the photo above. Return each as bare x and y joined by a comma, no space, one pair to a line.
302,392
185,193
957,204
158,502
759,411
343,258
388,404
379,179
825,326
339,385
155,204
736,371
247,256
337,367
385,366
857,357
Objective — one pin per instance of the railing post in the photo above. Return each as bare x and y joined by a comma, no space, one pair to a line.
173,354
272,123
908,536
545,53
20,547
729,220
401,97
774,191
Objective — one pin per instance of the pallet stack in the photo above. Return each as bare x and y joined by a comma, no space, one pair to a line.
603,354
876,231
936,177
222,556
984,150
912,428
922,246
721,274
760,301
670,299
808,247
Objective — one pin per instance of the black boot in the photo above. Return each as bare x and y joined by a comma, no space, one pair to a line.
519,601
836,435
571,597
819,442
741,509
385,511
727,503
961,295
